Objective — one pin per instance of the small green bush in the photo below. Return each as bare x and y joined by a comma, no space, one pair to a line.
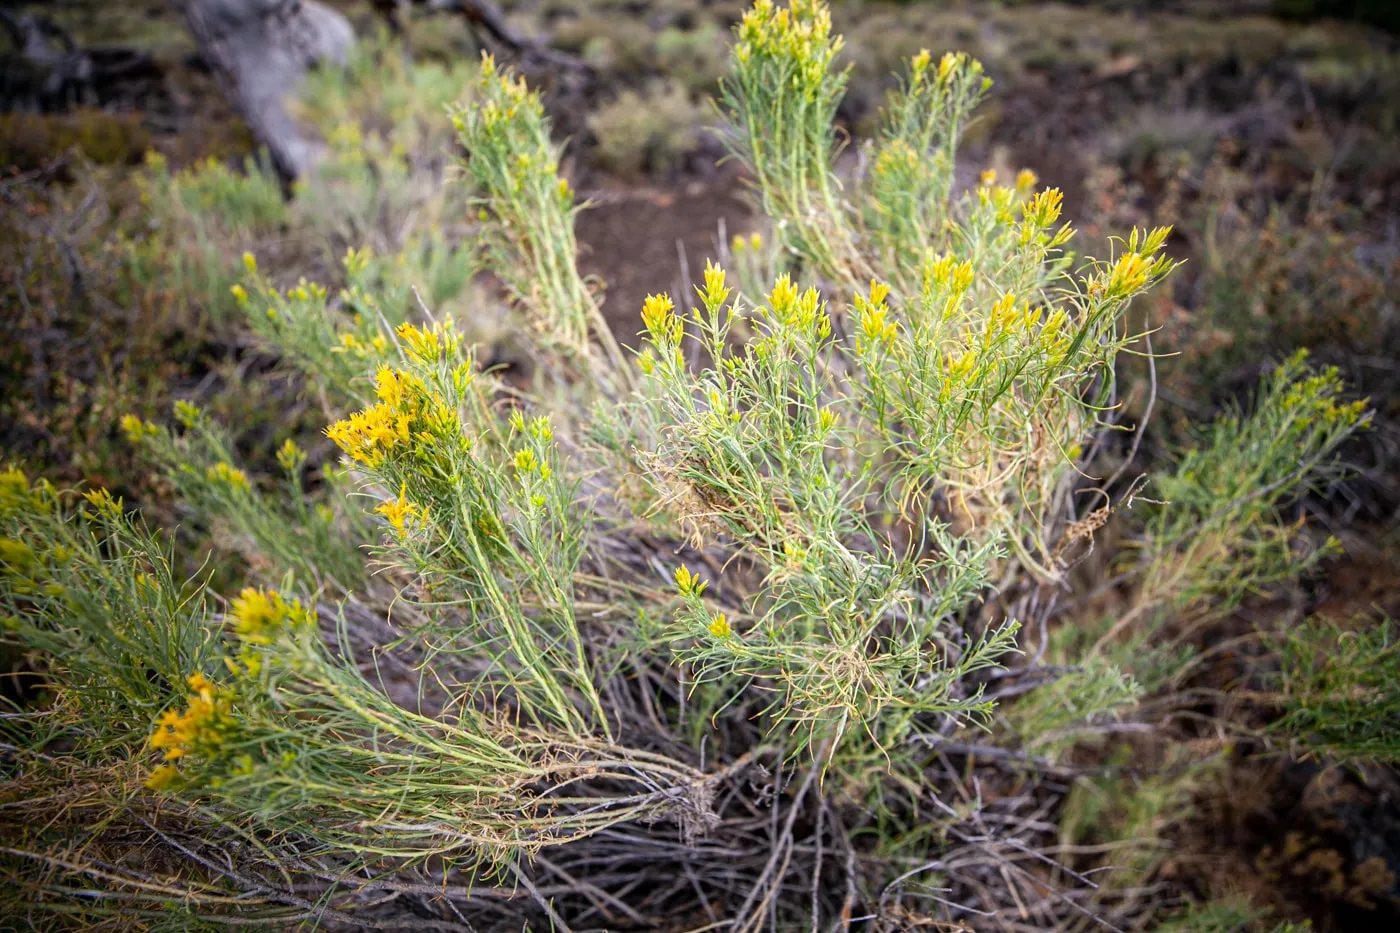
651,129
1341,691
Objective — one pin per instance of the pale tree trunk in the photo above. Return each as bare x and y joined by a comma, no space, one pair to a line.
260,50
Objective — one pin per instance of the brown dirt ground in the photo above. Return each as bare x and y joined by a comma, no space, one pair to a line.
641,240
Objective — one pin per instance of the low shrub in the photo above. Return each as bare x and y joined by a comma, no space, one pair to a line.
647,130
696,634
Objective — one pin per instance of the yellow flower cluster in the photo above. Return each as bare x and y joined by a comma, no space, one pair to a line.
230,476
953,62
137,430
957,367
1054,336
1006,317
15,492
896,163
738,243
663,326
1130,273
28,570
657,317
198,728
258,615
398,511
689,584
308,291
1038,214
16,556
715,293
426,344
1136,268
13,485
406,409
956,74
187,413
874,310
801,34
719,626
104,503
505,95
1316,396
360,348
946,272
803,312
290,457
999,200
368,436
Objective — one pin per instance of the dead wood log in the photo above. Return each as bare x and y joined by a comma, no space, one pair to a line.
259,51
484,17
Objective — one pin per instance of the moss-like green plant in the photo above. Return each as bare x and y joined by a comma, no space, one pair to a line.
1340,690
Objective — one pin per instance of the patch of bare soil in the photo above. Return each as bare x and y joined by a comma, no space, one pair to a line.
1307,840
642,240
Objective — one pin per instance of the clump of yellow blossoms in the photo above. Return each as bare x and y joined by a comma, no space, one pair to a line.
799,310
360,348
657,316
688,583
14,488
229,476
739,243
201,727
104,502
15,555
16,494
137,430
398,511
290,457
875,328
407,409
369,436
258,615
802,33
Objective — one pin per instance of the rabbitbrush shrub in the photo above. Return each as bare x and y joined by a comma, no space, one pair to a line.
685,640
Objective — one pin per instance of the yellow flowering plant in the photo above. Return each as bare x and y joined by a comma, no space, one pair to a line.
721,617
527,211
105,602
280,524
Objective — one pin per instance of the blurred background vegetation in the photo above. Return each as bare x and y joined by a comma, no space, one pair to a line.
1266,131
